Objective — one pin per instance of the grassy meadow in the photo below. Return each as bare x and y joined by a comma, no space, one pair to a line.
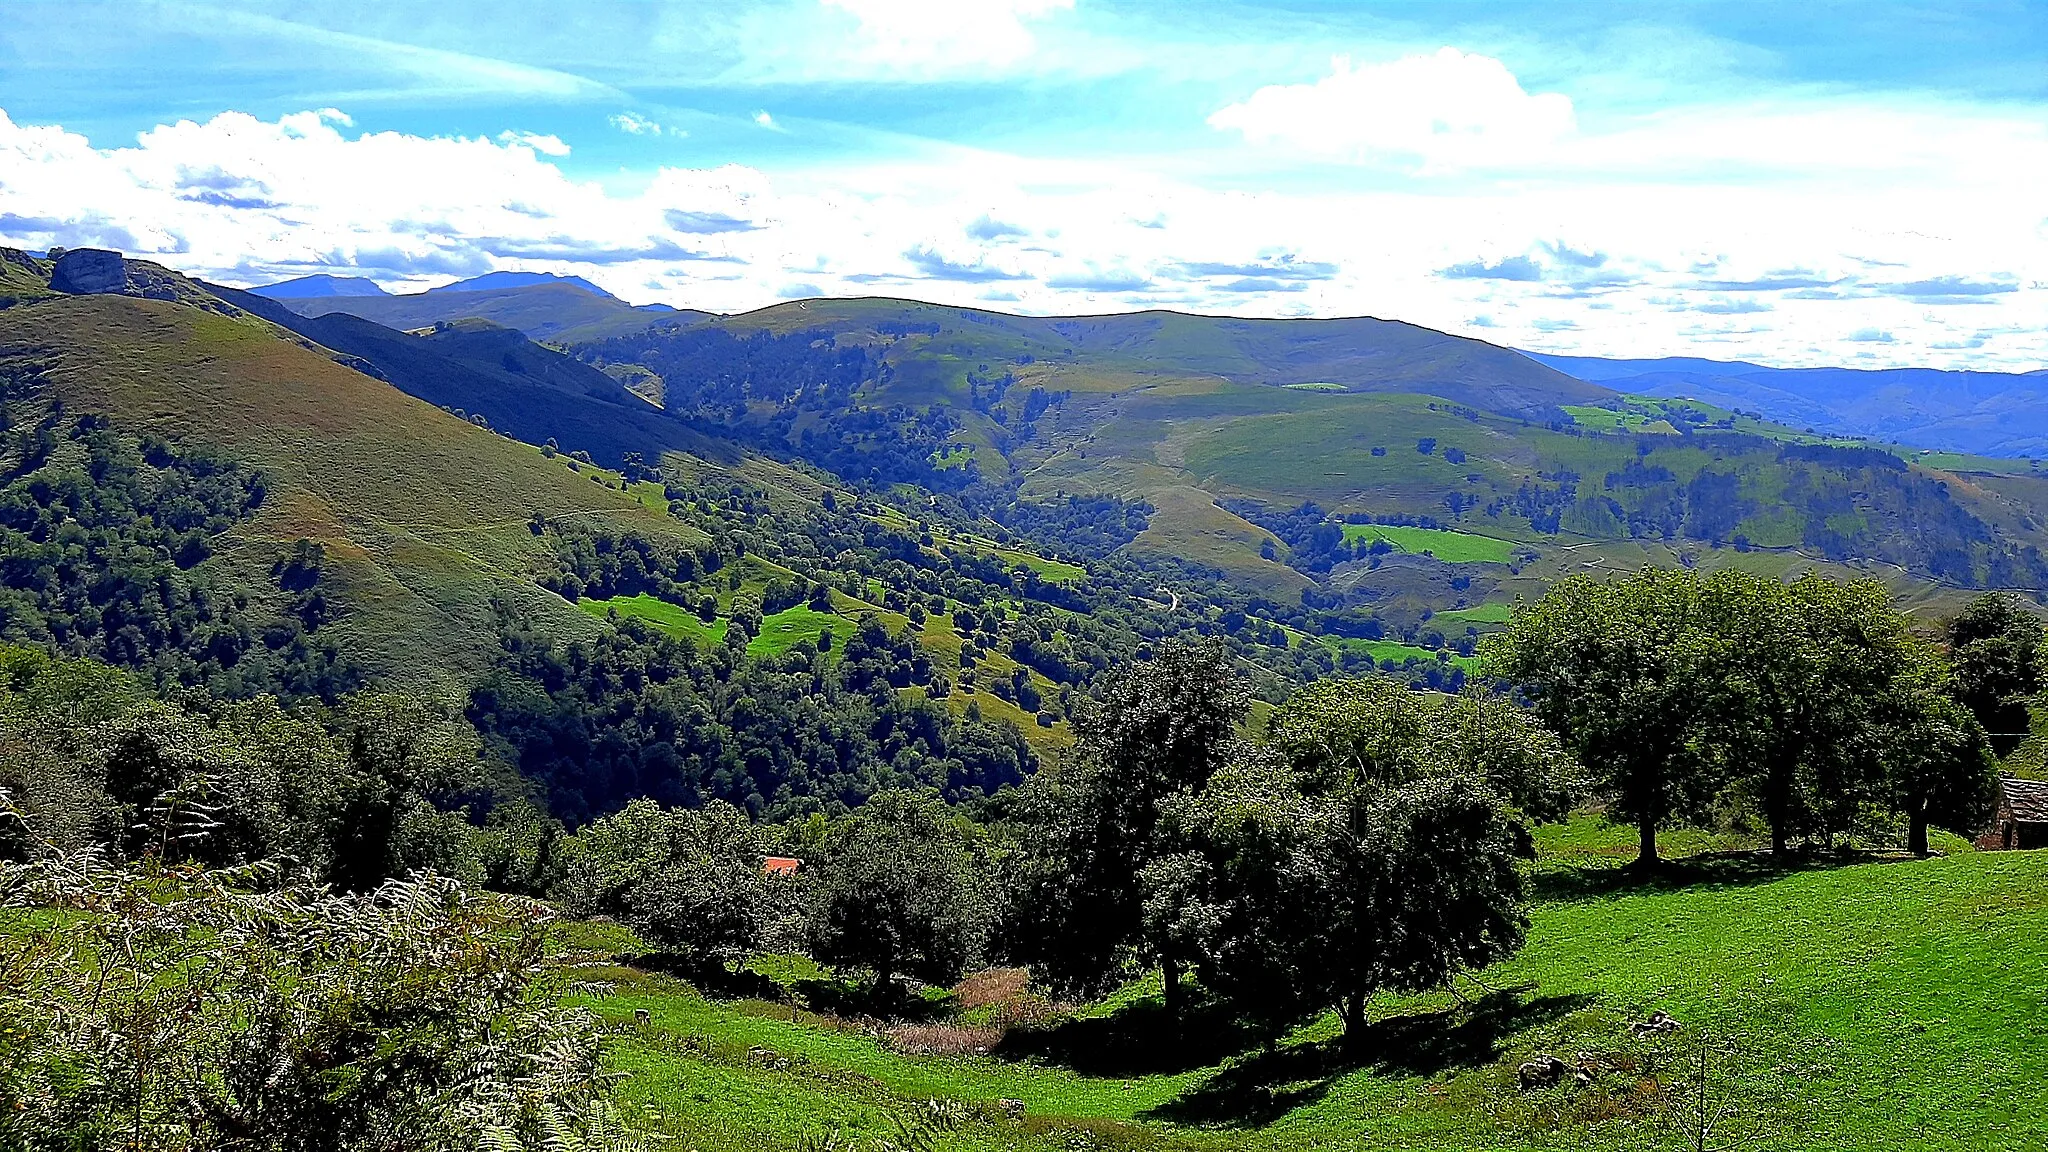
1448,545
1877,1004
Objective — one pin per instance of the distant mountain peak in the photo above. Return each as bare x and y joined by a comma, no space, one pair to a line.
492,281
313,287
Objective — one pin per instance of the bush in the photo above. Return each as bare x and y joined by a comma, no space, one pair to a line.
173,1009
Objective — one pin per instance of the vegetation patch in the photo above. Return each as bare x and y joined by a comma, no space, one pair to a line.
1445,544
674,620
786,629
1493,612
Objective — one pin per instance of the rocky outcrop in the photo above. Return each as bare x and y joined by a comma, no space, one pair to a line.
90,272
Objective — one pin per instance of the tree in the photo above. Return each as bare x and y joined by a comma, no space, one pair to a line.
1415,857
409,761
1995,646
897,892
1094,832
1809,669
1938,761
1374,727
690,882
1625,671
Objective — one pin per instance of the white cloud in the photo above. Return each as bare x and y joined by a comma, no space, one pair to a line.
1444,111
634,124
546,145
766,121
246,200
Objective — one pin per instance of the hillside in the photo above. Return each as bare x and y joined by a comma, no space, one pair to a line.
1226,427
1876,1006
552,310
424,516
1988,413
522,389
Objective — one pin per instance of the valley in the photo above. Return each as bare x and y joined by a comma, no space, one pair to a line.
591,610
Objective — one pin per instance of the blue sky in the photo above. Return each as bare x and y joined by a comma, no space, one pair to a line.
1792,183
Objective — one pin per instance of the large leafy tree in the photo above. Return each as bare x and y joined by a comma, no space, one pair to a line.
1938,763
1627,673
1810,667
1096,836
690,881
898,891
1995,645
1412,857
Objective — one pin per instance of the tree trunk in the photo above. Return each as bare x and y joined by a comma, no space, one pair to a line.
1778,808
1175,995
1916,828
1352,1012
1646,860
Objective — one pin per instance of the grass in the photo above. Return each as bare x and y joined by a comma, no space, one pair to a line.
785,629
1396,651
1494,612
674,620
1872,1005
1443,543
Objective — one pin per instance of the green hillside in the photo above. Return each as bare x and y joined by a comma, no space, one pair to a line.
1224,427
424,516
1875,1006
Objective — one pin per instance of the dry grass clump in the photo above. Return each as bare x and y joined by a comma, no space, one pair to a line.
986,1005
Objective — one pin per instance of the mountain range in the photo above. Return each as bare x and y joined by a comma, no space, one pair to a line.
1989,413
1335,485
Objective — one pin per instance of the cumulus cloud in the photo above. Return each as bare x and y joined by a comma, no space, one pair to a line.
1622,270
1444,111
1285,266
1870,336
1947,289
1114,280
706,223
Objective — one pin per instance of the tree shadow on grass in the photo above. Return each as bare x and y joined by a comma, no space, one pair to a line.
1263,1086
1708,870
1138,1039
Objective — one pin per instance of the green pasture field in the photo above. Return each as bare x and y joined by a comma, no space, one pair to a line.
1445,544
785,629
1494,612
670,618
1396,651
1870,1005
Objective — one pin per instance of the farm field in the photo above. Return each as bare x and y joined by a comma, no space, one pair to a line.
671,618
1448,545
1777,971
1493,612
1396,651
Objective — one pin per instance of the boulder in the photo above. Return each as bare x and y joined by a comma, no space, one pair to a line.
89,272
